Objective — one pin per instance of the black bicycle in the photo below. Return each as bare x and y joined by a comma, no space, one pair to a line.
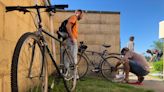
29,69
103,62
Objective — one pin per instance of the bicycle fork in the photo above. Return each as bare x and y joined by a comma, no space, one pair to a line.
32,61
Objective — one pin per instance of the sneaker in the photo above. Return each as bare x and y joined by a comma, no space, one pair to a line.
120,76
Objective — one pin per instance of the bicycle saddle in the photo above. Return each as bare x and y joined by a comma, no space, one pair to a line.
106,45
62,35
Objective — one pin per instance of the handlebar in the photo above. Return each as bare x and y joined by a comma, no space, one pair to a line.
25,8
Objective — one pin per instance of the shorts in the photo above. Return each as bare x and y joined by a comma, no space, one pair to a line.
137,69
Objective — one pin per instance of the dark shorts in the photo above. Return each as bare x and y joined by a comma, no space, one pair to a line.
137,69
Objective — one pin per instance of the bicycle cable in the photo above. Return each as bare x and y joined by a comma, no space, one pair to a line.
33,18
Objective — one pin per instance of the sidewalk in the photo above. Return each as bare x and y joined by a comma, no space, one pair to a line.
150,83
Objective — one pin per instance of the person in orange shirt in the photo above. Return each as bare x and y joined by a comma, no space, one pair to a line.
72,29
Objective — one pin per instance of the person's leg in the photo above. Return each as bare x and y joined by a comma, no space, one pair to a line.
69,47
140,79
138,70
159,55
75,51
126,69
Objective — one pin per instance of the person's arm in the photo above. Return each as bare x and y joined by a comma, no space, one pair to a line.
71,22
69,29
126,58
126,69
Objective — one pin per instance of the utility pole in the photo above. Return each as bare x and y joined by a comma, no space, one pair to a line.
161,36
51,15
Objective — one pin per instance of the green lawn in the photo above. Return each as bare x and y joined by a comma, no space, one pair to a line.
157,67
94,84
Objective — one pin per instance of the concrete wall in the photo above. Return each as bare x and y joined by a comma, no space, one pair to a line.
96,28
12,26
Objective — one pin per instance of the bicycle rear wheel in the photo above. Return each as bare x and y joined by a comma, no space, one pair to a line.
82,66
107,67
69,71
28,71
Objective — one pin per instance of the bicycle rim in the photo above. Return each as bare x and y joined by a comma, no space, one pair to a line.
107,67
26,75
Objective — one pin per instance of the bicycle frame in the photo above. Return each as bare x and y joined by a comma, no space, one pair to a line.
89,60
45,47
41,40
104,54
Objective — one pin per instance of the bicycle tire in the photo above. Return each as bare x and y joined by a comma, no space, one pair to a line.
19,67
82,66
69,71
107,67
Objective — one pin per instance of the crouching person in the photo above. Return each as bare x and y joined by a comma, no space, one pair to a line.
134,63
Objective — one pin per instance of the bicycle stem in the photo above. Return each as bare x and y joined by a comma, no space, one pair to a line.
39,16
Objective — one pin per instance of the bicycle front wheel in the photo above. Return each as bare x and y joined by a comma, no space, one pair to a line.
107,67
28,71
69,71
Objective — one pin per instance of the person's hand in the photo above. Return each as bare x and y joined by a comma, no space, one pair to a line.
73,41
114,69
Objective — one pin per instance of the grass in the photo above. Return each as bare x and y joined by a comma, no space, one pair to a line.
97,84
153,70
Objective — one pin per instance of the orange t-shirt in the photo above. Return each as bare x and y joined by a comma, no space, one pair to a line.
73,20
